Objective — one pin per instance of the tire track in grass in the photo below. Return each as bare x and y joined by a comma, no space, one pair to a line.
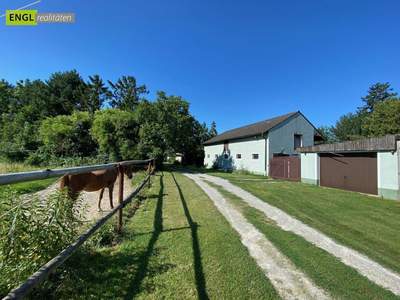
340,280
364,265
286,278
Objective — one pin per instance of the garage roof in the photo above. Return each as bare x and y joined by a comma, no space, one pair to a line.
254,129
385,143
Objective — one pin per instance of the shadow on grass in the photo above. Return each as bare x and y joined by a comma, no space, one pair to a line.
145,257
198,267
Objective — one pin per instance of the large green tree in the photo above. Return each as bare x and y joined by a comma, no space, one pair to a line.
385,119
126,94
377,93
96,95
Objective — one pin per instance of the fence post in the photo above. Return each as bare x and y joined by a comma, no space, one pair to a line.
120,196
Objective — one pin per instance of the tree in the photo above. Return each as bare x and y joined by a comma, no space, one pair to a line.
66,92
6,96
97,93
126,94
349,127
116,132
328,134
213,130
385,119
377,93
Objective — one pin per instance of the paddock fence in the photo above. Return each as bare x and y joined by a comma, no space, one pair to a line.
39,276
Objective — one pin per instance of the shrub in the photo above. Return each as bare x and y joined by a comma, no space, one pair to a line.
32,232
67,136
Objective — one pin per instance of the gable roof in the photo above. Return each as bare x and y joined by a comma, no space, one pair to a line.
254,129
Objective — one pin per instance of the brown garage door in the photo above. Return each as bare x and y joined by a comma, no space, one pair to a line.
285,167
355,172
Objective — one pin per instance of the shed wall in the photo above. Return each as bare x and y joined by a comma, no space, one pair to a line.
246,148
388,175
281,138
310,168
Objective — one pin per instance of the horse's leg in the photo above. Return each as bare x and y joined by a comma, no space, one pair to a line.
100,198
110,192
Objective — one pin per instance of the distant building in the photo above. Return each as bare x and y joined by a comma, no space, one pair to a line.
252,147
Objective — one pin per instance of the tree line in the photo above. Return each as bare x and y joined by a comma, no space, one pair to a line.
379,115
67,118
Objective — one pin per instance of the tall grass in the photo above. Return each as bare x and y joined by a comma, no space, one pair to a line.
32,232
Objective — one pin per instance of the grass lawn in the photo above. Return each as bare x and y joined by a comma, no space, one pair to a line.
368,224
176,246
339,280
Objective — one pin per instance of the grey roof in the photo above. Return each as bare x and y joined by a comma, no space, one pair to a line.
254,129
384,143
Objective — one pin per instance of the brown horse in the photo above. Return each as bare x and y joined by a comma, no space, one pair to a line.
94,181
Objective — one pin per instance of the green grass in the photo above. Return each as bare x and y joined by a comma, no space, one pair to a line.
176,246
339,280
23,187
368,224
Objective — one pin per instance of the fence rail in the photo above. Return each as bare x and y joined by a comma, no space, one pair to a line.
39,276
43,174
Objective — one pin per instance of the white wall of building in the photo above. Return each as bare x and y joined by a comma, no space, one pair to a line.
245,148
310,168
388,175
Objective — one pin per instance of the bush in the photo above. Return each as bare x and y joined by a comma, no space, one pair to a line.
31,233
67,136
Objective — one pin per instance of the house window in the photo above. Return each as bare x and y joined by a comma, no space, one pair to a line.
255,155
208,155
298,141
238,156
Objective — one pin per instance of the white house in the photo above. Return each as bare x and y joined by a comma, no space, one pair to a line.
251,147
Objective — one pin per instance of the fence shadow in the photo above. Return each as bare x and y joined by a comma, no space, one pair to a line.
198,266
143,260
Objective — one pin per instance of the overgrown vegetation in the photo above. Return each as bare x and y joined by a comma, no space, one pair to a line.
32,232
66,118
379,115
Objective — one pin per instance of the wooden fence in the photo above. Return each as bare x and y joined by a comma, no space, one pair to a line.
25,288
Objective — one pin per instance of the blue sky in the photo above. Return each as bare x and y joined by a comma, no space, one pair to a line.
236,62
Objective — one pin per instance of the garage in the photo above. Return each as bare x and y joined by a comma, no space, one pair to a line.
350,171
370,165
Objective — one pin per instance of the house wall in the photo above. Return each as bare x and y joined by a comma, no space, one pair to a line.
281,138
310,168
388,175
245,147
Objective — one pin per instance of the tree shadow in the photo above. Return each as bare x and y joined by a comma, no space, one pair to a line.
198,267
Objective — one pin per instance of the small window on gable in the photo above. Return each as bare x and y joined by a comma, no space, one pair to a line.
298,141
255,155
238,156
208,155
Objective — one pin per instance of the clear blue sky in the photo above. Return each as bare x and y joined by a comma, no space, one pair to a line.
236,62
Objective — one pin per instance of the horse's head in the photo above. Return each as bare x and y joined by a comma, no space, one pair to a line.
128,170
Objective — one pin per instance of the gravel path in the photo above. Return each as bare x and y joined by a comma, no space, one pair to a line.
290,282
364,265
